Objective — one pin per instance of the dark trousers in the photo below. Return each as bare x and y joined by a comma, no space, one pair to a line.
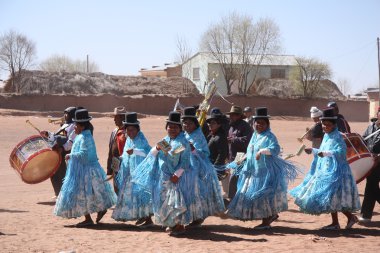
59,175
233,187
371,193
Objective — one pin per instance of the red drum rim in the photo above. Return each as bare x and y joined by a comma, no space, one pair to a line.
48,175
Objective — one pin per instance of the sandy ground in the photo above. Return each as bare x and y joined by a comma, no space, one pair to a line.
28,225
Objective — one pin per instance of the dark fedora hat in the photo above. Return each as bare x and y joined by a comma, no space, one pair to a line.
235,109
328,113
81,115
261,113
174,117
131,119
189,112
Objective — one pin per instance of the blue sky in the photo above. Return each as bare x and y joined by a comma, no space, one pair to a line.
124,36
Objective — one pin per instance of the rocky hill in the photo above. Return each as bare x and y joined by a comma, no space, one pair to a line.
285,89
94,83
41,82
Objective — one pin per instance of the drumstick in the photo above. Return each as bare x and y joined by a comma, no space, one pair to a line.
30,123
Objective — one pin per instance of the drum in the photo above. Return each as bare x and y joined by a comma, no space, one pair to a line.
34,160
359,157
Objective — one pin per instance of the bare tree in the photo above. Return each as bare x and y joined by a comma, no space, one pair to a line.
239,45
59,63
344,86
220,41
309,74
184,53
17,54
256,41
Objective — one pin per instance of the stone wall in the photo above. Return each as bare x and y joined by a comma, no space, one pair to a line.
162,104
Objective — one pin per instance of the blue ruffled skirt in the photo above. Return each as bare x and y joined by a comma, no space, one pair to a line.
84,191
133,202
207,189
326,190
262,193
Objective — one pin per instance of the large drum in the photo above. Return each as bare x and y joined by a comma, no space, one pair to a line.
359,157
34,160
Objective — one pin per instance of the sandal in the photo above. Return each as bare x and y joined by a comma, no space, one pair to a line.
84,223
352,221
178,230
100,215
262,227
331,227
273,218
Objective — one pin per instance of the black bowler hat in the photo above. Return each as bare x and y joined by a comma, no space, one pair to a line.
214,116
174,117
70,111
328,113
81,115
261,113
189,112
131,119
332,104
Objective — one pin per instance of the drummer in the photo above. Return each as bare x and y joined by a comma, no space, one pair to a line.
315,134
372,191
62,140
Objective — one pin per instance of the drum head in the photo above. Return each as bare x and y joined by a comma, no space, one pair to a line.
40,166
360,168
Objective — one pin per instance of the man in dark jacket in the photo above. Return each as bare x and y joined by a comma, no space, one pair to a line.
117,141
238,138
372,190
341,122
217,143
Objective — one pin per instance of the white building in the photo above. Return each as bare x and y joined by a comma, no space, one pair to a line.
202,67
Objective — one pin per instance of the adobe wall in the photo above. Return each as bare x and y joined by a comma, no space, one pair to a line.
162,104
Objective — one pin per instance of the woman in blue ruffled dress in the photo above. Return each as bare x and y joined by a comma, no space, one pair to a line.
207,190
166,174
263,180
84,190
329,187
133,202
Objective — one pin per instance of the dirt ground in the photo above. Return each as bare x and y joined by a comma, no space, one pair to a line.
28,225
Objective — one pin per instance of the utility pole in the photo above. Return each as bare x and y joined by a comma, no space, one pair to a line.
87,65
378,62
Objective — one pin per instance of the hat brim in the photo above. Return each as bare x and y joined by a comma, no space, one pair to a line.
188,116
261,117
213,118
83,120
130,123
322,118
174,122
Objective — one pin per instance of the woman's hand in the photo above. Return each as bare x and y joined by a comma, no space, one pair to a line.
258,155
130,151
67,157
308,150
174,179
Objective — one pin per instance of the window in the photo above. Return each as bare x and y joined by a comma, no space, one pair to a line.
277,73
196,74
